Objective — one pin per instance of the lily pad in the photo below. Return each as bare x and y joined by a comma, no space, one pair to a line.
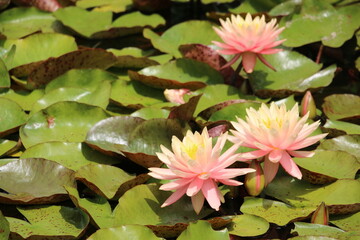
334,164
62,121
350,222
203,230
133,94
107,181
180,73
49,222
83,58
4,228
12,116
6,146
347,143
274,211
342,106
150,113
247,225
105,5
88,79
341,197
70,155
38,47
232,111
141,205
341,127
200,32
295,74
310,229
24,98
4,75
137,19
97,207
133,232
132,57
34,181
20,22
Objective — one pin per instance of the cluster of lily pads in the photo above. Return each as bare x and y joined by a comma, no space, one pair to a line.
83,114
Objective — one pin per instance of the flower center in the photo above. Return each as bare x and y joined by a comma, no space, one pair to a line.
191,150
204,175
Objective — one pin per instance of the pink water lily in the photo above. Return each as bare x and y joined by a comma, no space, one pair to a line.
278,135
248,38
196,167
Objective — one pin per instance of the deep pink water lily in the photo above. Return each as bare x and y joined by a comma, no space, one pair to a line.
248,38
196,167
278,135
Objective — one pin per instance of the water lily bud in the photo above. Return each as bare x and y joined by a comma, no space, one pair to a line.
176,95
255,181
308,105
321,215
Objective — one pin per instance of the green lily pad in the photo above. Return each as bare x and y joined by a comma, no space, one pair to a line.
82,58
180,73
319,21
4,228
32,48
133,232
312,238
70,155
99,97
12,116
274,211
25,99
203,230
88,79
232,111
334,164
34,181
4,75
132,57
342,106
107,181
78,20
105,5
150,113
49,222
97,207
341,197
295,74
6,146
20,22
141,205
341,127
255,6
350,222
347,143
62,121
133,94
248,225
137,19
200,32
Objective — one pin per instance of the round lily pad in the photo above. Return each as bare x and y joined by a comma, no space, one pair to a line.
342,106
248,225
12,116
230,111
4,75
310,229
25,99
34,181
6,146
341,127
49,222
203,230
348,222
180,73
150,113
133,232
4,228
347,143
62,121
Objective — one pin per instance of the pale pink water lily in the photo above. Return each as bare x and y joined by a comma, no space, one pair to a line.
278,135
176,95
248,38
196,167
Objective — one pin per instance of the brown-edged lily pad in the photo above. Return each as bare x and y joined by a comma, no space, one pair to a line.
34,181
180,73
107,181
49,222
337,128
132,57
342,106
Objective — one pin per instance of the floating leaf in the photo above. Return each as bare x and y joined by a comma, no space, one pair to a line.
20,22
203,230
105,5
4,228
134,232
347,143
295,74
25,99
248,225
342,127
70,155
141,205
62,121
310,229
11,116
34,181
6,146
49,222
350,222
133,94
137,19
342,106
181,73
150,113
342,196
131,57
275,211
83,58
4,75
232,111
200,32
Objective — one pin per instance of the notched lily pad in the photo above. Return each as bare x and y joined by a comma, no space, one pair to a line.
248,225
342,107
180,73
12,116
203,230
49,222
34,181
107,181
